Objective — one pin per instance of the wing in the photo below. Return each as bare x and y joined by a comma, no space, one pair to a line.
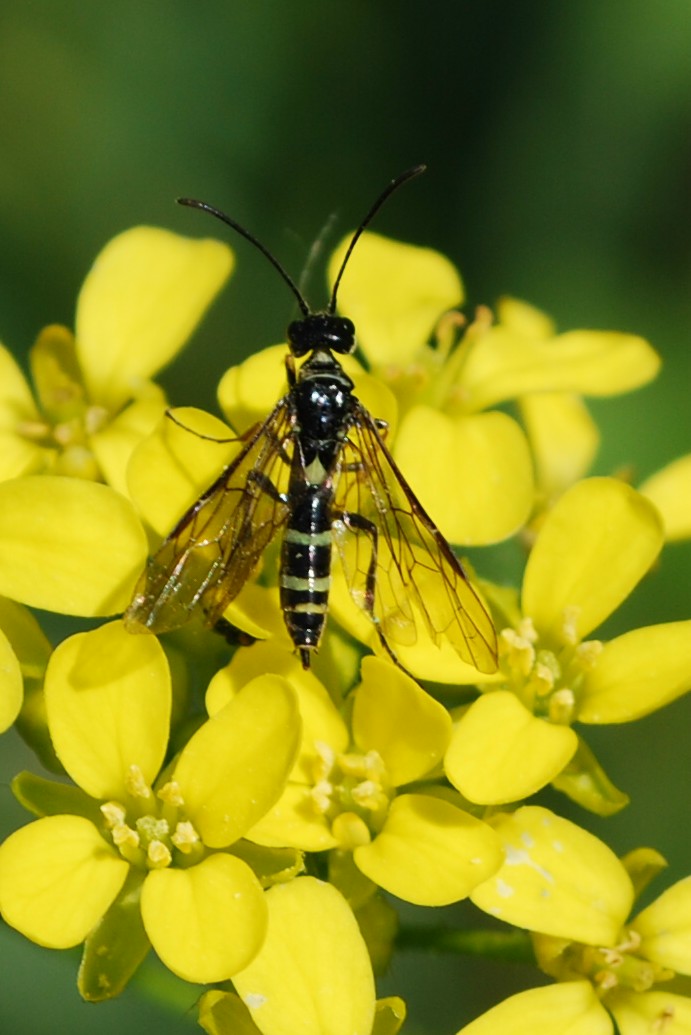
398,566
212,551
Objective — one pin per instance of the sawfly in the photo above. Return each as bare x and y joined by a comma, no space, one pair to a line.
318,473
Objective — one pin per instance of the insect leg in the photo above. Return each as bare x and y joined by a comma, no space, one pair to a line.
231,634
265,485
212,438
356,522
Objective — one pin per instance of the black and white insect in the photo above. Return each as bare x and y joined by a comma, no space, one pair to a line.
318,472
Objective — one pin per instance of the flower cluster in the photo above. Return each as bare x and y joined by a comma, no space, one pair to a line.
253,822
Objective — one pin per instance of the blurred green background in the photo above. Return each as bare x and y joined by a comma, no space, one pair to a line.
559,150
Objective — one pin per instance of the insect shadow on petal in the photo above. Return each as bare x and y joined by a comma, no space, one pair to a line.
318,473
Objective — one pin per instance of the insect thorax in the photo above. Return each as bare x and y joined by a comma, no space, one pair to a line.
323,398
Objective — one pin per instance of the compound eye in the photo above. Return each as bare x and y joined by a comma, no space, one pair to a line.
299,337
343,335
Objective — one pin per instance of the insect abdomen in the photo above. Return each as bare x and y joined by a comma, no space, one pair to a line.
306,570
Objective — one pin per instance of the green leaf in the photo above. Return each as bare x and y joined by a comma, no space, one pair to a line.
116,946
585,782
48,798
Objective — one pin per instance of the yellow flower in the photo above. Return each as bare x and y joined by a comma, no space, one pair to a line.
312,974
143,297
356,793
84,538
574,895
24,653
594,546
670,490
119,839
449,431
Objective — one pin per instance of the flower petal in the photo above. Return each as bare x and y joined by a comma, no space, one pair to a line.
556,879
206,922
248,392
506,364
429,852
637,673
313,974
108,698
18,454
594,546
171,468
141,300
670,491
638,1013
236,765
83,538
564,439
500,752
16,400
11,684
294,820
483,459
57,878
665,927
396,718
114,444
394,293
569,1008
321,721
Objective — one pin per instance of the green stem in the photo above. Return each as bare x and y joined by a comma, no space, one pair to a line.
506,946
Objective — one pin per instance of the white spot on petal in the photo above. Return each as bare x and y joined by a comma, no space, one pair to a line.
253,1000
504,890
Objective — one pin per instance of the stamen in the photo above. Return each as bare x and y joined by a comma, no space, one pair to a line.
185,837
136,784
158,855
171,794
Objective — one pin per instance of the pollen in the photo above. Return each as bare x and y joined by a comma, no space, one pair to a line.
136,784
158,855
113,813
369,795
517,651
562,706
125,836
321,795
171,794
185,837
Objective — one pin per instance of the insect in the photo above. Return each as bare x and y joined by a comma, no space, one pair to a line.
317,472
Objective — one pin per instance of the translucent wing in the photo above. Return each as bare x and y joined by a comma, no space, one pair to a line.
397,564
212,551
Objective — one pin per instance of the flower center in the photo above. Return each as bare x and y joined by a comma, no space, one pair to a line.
547,681
150,830
353,792
607,968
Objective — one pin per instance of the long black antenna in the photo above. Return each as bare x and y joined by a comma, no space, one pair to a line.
409,174
192,203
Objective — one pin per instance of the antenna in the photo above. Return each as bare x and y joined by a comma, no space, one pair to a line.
192,203
409,174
